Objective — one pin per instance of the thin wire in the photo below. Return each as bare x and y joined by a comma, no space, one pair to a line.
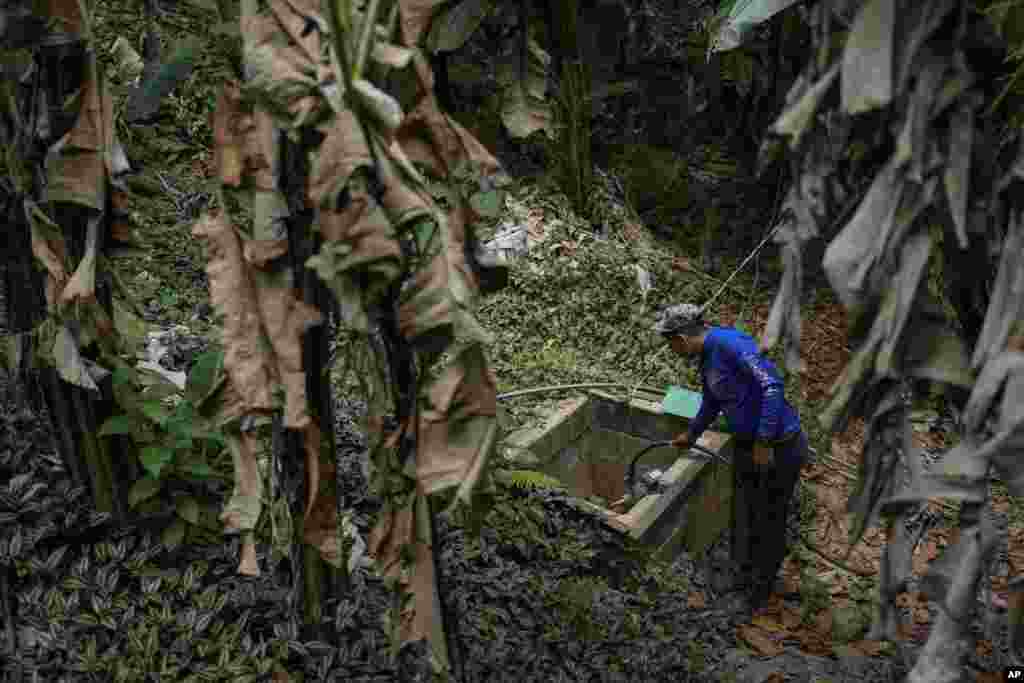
752,254
757,262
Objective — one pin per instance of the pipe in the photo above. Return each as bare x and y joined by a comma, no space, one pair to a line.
558,387
631,474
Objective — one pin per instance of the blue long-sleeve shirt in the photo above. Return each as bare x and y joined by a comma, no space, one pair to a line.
746,386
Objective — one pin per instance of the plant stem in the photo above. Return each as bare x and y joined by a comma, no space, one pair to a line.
369,22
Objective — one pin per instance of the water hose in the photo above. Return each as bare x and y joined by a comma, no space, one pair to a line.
631,473
564,387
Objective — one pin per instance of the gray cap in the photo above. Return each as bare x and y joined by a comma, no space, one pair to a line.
680,319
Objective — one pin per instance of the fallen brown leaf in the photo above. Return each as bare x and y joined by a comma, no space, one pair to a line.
681,264
758,640
696,600
813,643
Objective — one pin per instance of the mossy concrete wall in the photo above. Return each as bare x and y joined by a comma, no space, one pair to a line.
588,442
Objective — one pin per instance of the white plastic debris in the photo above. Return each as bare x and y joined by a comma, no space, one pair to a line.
654,475
155,350
357,555
644,279
128,60
510,243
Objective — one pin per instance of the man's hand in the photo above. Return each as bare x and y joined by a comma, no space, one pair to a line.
682,441
764,454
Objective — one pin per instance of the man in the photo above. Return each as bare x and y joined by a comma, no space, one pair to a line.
770,446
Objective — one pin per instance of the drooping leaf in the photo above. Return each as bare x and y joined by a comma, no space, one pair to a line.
1007,303
82,285
867,79
737,24
453,26
784,321
524,107
286,319
243,510
957,175
951,580
880,460
69,361
415,18
934,351
921,21
231,292
320,526
431,137
797,117
459,427
48,248
916,139
848,257
886,330
75,164
361,241
896,569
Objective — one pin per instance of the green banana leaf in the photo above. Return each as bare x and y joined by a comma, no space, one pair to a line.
738,19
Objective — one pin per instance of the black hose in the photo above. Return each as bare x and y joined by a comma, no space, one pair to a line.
630,476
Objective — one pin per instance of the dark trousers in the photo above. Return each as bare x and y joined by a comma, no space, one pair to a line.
761,499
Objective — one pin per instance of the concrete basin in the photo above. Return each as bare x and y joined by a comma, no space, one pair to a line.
588,442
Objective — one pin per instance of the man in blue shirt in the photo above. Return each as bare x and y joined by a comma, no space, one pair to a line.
770,446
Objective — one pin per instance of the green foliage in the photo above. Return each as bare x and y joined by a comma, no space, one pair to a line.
570,151
655,179
528,480
808,503
575,600
696,656
174,442
849,623
814,595
578,316
130,616
1008,18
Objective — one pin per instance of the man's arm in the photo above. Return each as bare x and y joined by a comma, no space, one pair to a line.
709,410
772,395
